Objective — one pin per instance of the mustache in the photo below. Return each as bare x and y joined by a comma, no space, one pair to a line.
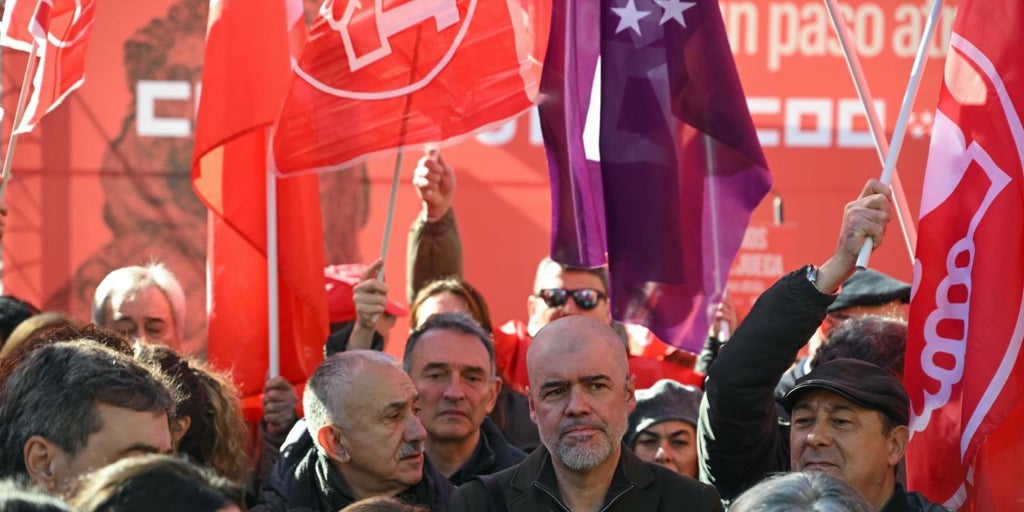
565,427
410,449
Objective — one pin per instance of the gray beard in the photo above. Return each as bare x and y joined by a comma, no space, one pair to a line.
580,457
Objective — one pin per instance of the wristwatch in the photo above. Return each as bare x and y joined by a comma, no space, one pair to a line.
811,272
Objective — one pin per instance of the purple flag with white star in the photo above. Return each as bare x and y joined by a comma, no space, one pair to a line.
653,157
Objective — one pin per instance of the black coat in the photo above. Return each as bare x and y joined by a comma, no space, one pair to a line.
303,480
637,485
741,438
493,453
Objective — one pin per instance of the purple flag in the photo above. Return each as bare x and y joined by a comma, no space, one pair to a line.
653,157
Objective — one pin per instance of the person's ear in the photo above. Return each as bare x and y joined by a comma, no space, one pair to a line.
897,444
179,427
495,385
333,443
533,411
41,460
630,393
532,303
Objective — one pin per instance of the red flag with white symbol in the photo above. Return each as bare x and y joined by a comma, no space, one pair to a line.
61,30
379,75
964,369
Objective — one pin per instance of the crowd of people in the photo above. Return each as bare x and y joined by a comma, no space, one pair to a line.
568,410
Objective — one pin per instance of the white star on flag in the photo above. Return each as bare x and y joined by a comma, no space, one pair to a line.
674,10
629,17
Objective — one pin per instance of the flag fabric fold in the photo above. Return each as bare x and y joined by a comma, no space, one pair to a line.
964,370
415,73
249,51
61,30
649,139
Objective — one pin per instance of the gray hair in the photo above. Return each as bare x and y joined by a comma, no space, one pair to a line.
339,376
454,321
55,390
808,491
138,277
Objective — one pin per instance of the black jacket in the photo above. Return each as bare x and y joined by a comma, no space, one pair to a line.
493,453
304,480
902,501
739,432
531,486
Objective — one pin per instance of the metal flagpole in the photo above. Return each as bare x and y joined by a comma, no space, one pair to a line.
398,160
273,298
903,214
5,173
900,130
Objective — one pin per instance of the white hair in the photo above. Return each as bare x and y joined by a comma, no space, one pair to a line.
138,277
339,376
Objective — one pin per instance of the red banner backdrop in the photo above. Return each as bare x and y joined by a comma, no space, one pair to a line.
104,179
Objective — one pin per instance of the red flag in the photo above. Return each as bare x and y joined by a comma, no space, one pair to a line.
245,76
61,29
964,369
373,79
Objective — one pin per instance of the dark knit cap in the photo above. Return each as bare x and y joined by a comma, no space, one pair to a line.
860,382
666,400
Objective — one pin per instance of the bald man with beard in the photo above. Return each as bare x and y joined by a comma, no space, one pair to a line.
581,394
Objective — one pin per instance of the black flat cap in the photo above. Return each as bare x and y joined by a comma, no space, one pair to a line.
860,382
870,288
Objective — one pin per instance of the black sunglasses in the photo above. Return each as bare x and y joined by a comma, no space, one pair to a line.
586,298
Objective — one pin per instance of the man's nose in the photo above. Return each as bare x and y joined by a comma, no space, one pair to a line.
414,431
578,403
455,388
818,435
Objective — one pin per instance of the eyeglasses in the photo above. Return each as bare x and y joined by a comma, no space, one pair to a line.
586,298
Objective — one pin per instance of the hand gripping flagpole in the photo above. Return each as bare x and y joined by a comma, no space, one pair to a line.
30,67
900,130
903,214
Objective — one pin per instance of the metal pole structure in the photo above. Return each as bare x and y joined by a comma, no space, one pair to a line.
30,67
901,121
903,214
273,298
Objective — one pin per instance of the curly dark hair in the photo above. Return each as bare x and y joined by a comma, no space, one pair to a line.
875,339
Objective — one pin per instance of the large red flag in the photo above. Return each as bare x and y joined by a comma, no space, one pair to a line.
374,78
964,369
245,76
61,29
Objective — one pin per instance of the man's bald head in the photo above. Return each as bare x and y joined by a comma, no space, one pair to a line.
579,377
572,335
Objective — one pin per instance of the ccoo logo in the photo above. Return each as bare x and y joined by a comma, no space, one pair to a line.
970,191
388,48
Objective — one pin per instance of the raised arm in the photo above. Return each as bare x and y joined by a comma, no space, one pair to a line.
434,248
739,437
